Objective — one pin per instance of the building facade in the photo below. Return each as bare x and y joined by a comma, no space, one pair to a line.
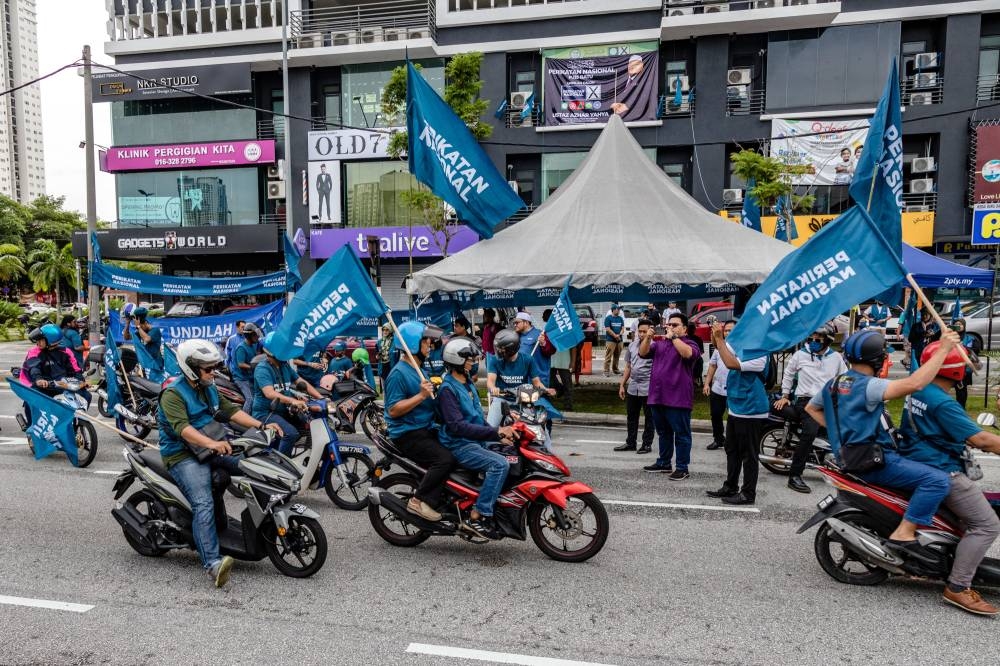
22,158
719,76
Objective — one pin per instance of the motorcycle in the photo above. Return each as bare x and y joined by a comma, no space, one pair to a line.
850,545
140,396
356,404
84,431
157,518
538,497
780,438
228,389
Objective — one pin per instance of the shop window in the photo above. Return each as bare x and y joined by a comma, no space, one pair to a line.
373,192
200,197
362,87
144,122
676,173
331,106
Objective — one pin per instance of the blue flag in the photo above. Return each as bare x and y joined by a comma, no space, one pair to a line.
51,426
878,175
956,312
501,109
529,106
293,276
909,316
170,365
152,366
97,247
112,363
563,327
678,92
445,156
847,262
751,209
784,228
329,303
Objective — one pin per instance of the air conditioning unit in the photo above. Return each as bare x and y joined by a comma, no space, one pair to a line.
344,38
732,196
518,100
739,77
276,189
275,171
394,35
371,35
419,33
715,9
794,3
925,80
309,41
923,165
673,79
765,4
916,209
737,93
921,99
680,11
923,61
922,186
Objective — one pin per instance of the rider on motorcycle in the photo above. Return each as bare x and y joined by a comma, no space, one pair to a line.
935,430
274,379
507,370
409,417
187,405
241,369
47,363
852,409
151,337
336,351
812,367
465,433
362,368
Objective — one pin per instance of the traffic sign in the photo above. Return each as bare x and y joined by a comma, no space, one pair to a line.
986,226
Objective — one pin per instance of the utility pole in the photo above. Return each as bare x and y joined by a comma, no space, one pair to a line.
93,298
287,171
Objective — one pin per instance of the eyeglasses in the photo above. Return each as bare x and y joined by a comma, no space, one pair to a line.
674,324
210,368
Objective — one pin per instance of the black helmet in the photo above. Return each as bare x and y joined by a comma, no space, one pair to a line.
506,343
252,329
827,330
865,346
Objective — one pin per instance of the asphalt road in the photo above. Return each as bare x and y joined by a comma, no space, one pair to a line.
672,585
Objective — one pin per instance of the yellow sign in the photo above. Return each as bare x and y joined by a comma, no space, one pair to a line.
918,228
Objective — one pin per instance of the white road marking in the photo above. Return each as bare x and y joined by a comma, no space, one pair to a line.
106,471
5,416
45,603
496,657
12,441
597,441
701,507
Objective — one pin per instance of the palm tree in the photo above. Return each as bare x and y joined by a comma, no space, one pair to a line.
11,266
49,265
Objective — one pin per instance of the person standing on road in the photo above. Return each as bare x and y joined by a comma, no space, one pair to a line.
614,328
972,347
808,370
634,390
652,315
746,398
715,389
671,310
878,316
671,394
385,349
559,374
232,343
489,331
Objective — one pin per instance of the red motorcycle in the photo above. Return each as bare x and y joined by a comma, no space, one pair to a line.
566,520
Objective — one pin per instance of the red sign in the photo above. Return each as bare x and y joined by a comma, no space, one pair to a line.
986,187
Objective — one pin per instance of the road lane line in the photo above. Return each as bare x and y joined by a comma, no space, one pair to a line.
701,507
106,471
597,441
45,603
5,416
496,657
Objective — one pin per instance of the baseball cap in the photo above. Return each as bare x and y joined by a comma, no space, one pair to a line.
524,316
615,306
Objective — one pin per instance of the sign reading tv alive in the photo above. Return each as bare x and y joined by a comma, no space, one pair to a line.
174,82
394,242
190,155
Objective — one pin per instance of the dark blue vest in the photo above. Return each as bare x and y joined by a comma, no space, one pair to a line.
200,414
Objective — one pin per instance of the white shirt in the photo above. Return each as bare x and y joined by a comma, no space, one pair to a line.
813,372
721,373
668,312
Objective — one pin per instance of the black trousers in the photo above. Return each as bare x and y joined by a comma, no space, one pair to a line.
717,408
807,435
562,381
425,449
742,436
633,405
962,392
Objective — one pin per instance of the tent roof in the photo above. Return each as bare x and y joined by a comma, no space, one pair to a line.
931,271
618,220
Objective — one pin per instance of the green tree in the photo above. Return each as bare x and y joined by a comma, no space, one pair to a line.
49,265
48,219
13,221
773,179
11,264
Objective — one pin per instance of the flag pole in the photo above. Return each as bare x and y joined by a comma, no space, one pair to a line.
86,417
937,318
409,354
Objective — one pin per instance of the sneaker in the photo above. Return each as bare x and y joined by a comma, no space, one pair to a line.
422,509
969,601
481,527
219,572
679,475
656,467
625,447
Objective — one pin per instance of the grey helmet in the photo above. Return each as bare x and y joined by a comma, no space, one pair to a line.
506,343
458,351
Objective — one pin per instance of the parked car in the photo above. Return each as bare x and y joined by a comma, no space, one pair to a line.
37,308
589,323
198,308
702,328
977,323
707,305
632,313
238,308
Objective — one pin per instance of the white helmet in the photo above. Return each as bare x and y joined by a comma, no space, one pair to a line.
458,351
195,354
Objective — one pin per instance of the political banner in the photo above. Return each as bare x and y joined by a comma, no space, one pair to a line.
153,367
751,208
293,276
563,327
829,148
51,426
217,328
170,365
588,90
328,304
172,285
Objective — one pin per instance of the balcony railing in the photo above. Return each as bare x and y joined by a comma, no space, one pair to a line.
517,117
272,128
922,89
744,101
368,23
920,203
174,18
470,5
668,107
687,7
988,88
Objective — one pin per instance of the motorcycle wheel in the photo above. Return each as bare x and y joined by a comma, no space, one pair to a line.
388,525
770,444
86,442
306,550
543,528
150,506
359,470
842,564
102,409
372,421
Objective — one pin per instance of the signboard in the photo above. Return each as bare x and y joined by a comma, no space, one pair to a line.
135,243
986,225
155,84
986,184
351,144
394,242
918,228
829,148
324,192
588,90
190,155
150,210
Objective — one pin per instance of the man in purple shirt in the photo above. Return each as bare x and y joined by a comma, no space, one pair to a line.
671,394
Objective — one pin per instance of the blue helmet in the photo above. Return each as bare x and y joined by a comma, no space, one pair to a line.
413,332
338,346
140,313
865,346
127,310
52,334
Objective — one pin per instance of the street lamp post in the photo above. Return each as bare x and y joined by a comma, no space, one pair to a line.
93,306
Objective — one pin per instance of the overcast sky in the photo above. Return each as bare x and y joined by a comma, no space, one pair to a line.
64,26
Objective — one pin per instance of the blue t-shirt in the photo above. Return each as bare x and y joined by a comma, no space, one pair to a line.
311,375
243,354
72,340
154,344
934,429
615,322
403,383
342,364
511,374
281,379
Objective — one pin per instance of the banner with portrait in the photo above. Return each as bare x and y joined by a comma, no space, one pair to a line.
830,148
587,90
324,192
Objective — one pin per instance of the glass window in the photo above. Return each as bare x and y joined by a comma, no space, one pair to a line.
913,48
278,107
557,167
676,173
373,191
989,62
169,121
676,67
331,105
524,82
362,89
212,197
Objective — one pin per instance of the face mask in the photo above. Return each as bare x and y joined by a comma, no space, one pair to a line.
815,347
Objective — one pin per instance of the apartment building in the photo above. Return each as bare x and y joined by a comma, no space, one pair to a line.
22,158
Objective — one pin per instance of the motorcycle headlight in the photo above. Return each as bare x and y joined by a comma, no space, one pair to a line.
537,431
277,499
547,466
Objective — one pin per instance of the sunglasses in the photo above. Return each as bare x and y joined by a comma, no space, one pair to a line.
210,368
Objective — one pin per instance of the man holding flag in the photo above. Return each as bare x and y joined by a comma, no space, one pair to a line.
148,348
564,332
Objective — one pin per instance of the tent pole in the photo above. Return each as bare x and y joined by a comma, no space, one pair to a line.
989,328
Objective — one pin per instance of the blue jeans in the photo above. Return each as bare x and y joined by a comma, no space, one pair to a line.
472,455
246,388
929,485
195,481
291,432
673,425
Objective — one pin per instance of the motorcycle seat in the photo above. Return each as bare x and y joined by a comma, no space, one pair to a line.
153,461
144,384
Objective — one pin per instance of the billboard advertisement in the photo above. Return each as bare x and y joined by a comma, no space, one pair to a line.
351,144
394,242
324,192
189,155
141,242
986,187
986,225
174,82
829,148
585,90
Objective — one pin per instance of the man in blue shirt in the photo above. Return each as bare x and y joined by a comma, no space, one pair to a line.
275,380
151,338
71,338
614,327
534,344
232,342
241,368
935,431
507,370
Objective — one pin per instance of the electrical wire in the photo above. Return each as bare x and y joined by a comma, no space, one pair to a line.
32,82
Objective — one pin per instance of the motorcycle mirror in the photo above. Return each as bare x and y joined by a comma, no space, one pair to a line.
987,420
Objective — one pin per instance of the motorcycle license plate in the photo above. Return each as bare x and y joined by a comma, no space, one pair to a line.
299,508
825,502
